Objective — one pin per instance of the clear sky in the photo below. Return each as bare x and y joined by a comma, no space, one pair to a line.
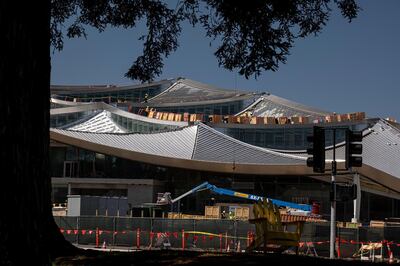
346,68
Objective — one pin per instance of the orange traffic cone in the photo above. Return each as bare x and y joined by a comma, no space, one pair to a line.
238,247
391,260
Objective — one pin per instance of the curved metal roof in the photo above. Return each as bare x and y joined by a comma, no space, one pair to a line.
185,92
67,103
203,148
381,149
197,147
198,142
80,89
100,123
200,147
381,155
83,107
215,146
175,144
274,106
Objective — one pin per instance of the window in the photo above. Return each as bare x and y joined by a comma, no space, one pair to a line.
250,136
217,110
278,139
298,140
259,138
225,110
269,139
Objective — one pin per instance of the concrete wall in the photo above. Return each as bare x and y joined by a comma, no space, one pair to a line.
139,191
81,205
139,194
74,205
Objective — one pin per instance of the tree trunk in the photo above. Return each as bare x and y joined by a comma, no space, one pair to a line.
27,228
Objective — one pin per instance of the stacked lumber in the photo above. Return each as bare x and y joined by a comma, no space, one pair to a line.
215,119
212,212
268,120
256,120
377,224
246,118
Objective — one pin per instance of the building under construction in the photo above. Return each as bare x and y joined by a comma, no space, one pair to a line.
171,135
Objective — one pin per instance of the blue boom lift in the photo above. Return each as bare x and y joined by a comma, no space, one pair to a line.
166,197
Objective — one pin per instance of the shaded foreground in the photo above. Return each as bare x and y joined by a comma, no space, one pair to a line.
170,257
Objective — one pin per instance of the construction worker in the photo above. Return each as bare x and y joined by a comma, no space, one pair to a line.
223,214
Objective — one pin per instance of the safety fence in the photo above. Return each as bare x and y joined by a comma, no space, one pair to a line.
349,241
217,235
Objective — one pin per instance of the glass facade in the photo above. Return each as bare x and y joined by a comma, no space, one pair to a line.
283,138
299,189
136,126
131,95
128,124
61,120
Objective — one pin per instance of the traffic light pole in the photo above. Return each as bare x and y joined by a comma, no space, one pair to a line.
317,161
333,201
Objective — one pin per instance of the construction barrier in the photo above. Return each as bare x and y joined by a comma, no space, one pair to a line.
216,235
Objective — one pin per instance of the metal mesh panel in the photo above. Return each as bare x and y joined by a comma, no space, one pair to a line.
172,229
347,241
69,224
224,228
218,235
243,228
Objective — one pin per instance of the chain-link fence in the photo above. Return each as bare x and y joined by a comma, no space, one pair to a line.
315,240
218,235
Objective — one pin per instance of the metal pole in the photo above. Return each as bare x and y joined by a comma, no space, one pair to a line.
235,226
333,201
114,230
357,201
77,230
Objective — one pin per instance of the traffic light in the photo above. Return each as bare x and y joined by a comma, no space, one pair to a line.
353,146
317,161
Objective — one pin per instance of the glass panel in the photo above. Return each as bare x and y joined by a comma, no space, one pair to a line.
278,139
225,110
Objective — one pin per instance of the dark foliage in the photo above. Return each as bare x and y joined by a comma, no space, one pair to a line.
252,36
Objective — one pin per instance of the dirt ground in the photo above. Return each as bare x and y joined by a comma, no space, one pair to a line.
169,257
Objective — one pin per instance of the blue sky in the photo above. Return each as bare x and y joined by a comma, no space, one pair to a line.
348,67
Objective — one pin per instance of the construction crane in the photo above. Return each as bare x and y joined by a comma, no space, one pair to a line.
165,198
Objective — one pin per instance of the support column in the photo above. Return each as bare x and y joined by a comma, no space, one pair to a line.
332,239
69,188
357,201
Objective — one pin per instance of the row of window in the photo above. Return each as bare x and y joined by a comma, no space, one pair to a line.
300,189
65,119
283,138
132,95
132,125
